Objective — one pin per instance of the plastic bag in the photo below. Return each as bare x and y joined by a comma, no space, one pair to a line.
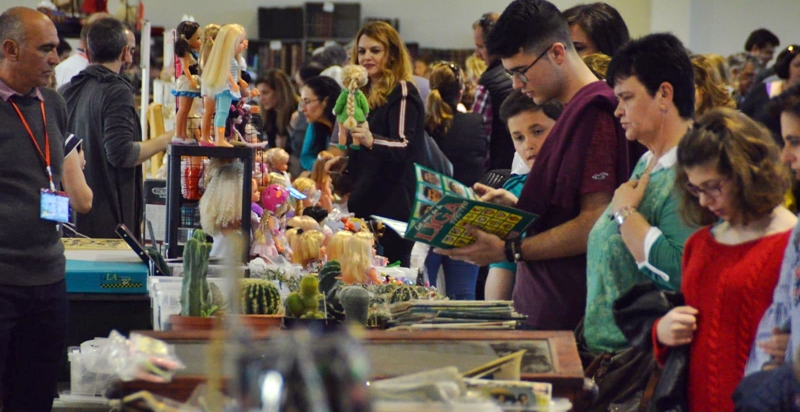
140,357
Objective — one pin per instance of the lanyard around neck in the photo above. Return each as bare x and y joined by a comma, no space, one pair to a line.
46,154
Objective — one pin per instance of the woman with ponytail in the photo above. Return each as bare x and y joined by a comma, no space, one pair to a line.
463,140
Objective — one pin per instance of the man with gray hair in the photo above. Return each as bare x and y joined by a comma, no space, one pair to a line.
33,293
101,110
743,67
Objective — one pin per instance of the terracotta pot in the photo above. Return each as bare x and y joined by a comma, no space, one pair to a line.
261,322
193,322
317,326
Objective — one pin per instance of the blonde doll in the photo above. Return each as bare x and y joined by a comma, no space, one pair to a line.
307,250
221,204
187,48
221,78
277,160
268,236
309,189
357,263
210,32
351,107
337,244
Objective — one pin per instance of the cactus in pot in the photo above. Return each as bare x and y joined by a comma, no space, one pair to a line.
259,297
196,299
305,302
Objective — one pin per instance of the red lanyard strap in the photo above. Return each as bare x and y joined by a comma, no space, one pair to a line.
46,154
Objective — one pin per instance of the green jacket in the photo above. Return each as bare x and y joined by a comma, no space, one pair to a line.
362,107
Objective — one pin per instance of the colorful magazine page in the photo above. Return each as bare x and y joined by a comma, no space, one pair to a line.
431,187
444,224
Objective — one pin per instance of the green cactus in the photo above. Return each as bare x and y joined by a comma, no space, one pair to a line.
355,301
327,276
259,297
305,303
195,293
404,294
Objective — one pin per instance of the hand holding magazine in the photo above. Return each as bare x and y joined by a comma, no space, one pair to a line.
444,207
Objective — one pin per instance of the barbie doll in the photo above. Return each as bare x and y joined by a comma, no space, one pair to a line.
187,48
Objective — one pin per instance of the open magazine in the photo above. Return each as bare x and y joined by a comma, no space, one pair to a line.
444,207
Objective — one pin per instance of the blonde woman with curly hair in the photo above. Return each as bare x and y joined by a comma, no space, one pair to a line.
710,91
382,170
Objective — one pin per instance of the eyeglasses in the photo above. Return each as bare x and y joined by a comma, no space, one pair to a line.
710,189
306,102
519,74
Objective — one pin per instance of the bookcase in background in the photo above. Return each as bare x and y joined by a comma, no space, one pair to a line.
288,35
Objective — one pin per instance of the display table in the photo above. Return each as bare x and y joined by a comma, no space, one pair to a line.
551,356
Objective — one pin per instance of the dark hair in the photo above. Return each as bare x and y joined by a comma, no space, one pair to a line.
279,117
63,46
185,31
446,81
310,70
331,55
517,102
527,25
785,59
788,101
741,150
655,59
316,212
105,40
602,23
761,38
324,87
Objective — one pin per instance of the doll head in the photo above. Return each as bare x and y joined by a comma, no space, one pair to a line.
227,46
354,76
308,188
278,159
221,204
273,197
210,33
190,37
318,173
307,246
358,259
277,179
336,246
255,195
303,222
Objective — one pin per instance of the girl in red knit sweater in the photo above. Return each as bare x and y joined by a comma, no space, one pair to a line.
731,179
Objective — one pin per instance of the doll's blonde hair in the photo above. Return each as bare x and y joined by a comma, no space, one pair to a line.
354,77
337,245
358,259
303,222
221,204
218,66
275,155
210,33
307,246
304,185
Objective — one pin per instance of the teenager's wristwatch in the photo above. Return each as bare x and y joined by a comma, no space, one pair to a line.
513,250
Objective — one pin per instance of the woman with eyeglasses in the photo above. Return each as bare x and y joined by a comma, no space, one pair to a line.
382,167
463,140
317,98
731,178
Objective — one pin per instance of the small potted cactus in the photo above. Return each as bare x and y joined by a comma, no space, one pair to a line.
260,304
302,306
199,302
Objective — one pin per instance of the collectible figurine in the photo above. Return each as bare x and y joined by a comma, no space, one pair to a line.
187,48
351,107
357,263
265,244
307,250
221,78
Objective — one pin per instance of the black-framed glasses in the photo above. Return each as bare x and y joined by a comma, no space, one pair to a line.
306,102
519,74
710,189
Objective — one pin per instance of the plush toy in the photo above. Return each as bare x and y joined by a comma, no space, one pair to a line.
357,263
351,107
187,49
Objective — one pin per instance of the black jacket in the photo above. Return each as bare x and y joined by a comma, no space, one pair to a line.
383,176
497,83
465,145
101,111
635,312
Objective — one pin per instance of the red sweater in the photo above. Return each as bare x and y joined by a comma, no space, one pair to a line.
731,286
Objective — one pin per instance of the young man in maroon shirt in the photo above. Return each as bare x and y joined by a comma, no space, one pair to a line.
585,158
